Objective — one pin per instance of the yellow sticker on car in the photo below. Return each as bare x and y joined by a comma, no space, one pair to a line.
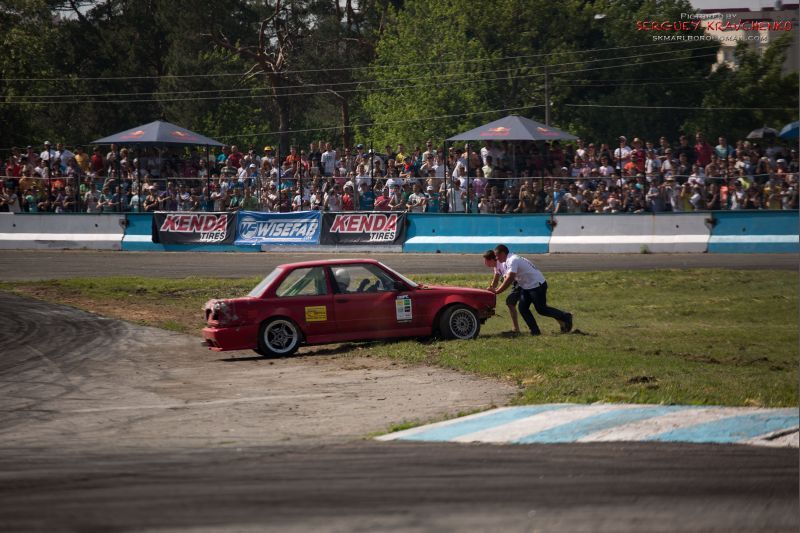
316,313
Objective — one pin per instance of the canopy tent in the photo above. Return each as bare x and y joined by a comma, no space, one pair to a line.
510,128
790,131
514,128
158,132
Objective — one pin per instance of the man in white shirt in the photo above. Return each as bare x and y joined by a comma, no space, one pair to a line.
533,290
500,271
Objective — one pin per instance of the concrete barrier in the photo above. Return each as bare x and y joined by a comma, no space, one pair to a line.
634,233
61,231
457,233
139,238
755,232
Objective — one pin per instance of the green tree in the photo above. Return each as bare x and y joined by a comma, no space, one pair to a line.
757,81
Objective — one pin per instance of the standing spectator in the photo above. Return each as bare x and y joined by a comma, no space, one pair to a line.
333,199
82,159
723,149
97,163
235,157
684,149
328,161
417,201
622,155
91,199
702,150
366,197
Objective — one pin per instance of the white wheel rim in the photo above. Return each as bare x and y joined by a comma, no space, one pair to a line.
463,324
280,336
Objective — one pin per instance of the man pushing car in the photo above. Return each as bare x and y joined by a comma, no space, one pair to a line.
530,285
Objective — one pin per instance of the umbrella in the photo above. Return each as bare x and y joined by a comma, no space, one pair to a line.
763,133
790,131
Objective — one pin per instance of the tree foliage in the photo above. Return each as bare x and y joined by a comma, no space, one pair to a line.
409,70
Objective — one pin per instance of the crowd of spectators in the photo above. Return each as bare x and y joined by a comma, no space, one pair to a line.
498,177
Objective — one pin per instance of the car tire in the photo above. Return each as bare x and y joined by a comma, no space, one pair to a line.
279,337
459,322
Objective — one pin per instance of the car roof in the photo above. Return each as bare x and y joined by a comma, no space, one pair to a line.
325,262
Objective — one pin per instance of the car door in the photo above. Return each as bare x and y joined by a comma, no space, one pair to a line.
305,296
367,304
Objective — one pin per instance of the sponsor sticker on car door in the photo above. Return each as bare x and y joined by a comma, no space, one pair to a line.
403,308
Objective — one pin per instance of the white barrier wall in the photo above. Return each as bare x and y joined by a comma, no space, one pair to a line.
630,234
63,231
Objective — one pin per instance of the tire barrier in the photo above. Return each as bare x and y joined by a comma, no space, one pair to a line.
764,232
470,234
630,233
29,231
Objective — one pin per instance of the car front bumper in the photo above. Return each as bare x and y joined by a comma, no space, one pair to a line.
235,338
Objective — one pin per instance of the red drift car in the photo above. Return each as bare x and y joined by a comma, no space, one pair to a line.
320,302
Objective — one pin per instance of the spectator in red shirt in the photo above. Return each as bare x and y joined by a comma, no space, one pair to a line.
638,155
702,150
347,199
235,157
98,165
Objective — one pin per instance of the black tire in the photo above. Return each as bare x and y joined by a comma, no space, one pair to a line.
459,322
279,337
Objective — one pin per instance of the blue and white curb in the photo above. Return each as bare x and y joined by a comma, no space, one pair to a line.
561,423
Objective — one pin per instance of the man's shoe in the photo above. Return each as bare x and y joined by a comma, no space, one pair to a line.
536,333
566,327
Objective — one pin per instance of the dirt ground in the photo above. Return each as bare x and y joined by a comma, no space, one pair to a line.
78,380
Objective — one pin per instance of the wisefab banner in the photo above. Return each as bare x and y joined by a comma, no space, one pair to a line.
194,228
256,228
363,228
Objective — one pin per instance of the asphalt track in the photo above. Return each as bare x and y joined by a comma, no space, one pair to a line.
31,265
59,474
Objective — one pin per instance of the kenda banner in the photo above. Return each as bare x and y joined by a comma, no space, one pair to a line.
194,228
363,228
256,228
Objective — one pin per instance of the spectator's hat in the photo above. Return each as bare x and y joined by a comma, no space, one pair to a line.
564,168
252,165
268,148
781,161
359,146
47,143
430,188
623,138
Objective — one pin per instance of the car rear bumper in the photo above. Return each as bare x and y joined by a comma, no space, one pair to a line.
237,338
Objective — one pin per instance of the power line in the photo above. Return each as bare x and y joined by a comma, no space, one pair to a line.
319,85
684,107
375,89
436,63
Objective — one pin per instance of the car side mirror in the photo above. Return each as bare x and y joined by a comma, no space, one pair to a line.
398,285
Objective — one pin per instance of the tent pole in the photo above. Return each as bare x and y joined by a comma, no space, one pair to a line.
139,178
280,171
209,206
446,159
466,204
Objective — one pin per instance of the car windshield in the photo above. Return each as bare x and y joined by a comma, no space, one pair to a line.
259,289
402,277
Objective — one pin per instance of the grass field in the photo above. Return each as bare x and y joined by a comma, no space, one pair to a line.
716,337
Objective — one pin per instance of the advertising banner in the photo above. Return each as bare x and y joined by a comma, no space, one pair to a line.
193,228
363,228
256,228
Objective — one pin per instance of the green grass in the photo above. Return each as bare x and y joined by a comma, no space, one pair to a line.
714,337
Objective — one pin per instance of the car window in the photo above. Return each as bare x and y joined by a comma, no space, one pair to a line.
361,278
258,290
303,282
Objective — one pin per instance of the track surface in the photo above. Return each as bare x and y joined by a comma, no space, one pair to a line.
30,265
107,426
